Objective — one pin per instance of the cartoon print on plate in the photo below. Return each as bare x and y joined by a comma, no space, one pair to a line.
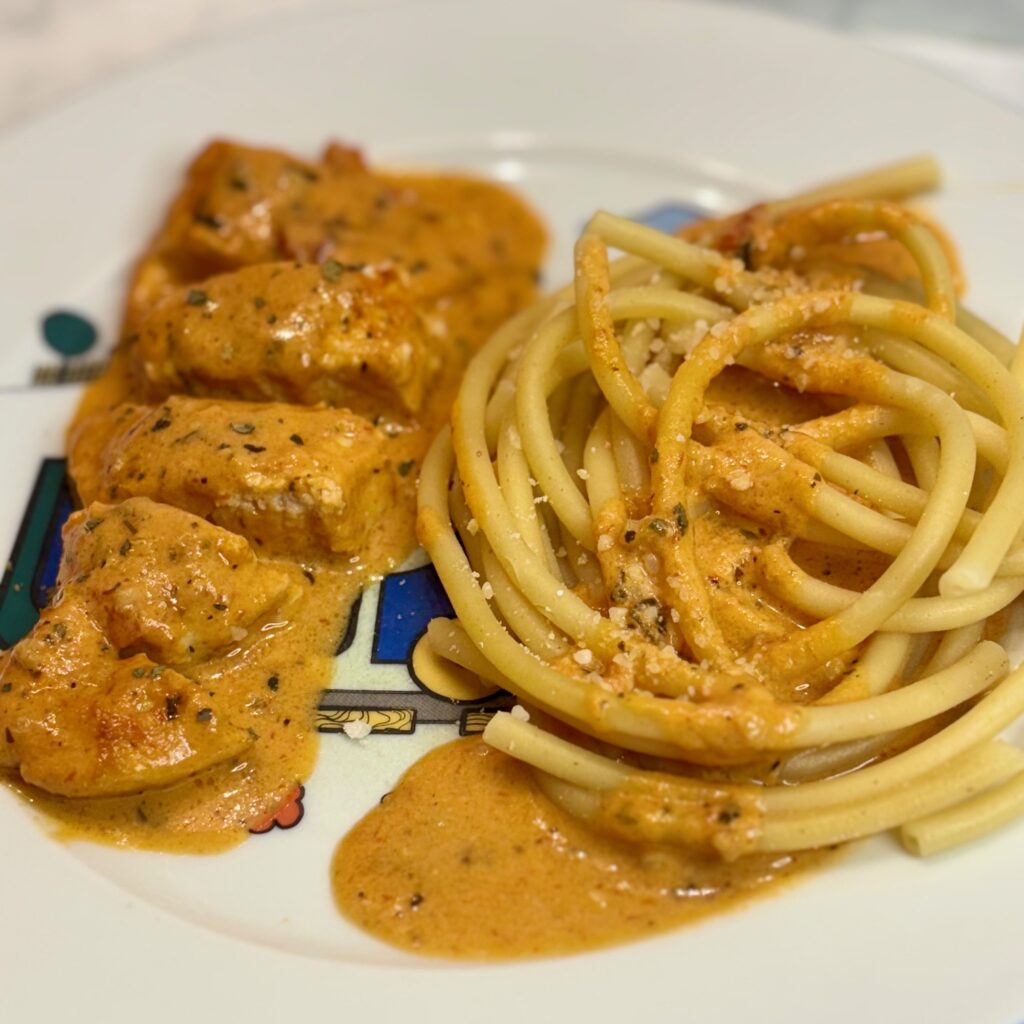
70,335
288,815
31,568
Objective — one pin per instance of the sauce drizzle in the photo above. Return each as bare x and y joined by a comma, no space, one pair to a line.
467,858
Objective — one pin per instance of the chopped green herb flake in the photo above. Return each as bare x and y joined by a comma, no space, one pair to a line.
139,672
204,714
273,682
6,688
658,526
91,524
196,297
254,448
242,428
161,424
220,607
296,439
331,270
654,456
404,468
125,548
681,520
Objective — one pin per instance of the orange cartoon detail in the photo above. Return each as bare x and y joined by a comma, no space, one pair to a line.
288,815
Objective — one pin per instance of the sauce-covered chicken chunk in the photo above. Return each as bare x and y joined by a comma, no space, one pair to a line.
97,700
164,583
242,205
292,479
285,332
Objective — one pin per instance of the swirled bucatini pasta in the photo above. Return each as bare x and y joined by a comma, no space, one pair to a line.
738,514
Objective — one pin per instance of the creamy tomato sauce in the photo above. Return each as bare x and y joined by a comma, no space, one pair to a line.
467,858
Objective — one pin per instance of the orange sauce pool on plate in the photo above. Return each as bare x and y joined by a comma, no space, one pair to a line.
467,858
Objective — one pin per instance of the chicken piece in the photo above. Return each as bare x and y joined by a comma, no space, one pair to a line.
164,582
294,480
452,233
97,700
78,721
242,205
293,333
223,218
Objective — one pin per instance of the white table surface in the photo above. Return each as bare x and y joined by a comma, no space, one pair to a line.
55,48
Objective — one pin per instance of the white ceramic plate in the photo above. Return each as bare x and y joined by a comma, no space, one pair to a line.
631,106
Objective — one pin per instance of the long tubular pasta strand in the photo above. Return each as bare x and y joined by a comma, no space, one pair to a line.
917,615
966,822
973,772
894,181
913,703
612,373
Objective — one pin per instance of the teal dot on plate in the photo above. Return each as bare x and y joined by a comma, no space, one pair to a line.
68,333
